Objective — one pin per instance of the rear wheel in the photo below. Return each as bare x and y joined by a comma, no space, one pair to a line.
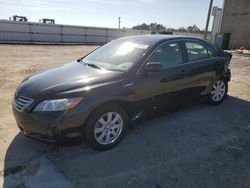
218,92
106,127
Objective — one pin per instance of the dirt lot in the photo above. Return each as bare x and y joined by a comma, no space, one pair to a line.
195,146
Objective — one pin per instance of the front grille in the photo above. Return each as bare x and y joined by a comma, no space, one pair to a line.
21,103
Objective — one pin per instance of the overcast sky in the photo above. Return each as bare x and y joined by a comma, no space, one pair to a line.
105,13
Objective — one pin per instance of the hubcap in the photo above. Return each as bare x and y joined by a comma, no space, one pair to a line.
108,128
218,91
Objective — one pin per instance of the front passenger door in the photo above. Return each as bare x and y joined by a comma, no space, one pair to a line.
159,88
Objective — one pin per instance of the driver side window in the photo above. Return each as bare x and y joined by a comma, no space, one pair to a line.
169,54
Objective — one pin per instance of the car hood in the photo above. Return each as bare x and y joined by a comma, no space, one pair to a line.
63,79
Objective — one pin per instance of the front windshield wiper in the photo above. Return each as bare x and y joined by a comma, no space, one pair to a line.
89,64
93,65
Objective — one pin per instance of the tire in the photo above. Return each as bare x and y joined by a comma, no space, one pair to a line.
218,92
106,127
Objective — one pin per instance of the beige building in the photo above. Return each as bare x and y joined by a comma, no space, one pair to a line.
236,23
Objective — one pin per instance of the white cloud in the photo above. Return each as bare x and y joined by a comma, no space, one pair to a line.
111,2
147,1
58,5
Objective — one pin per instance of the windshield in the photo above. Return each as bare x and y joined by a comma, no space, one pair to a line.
117,55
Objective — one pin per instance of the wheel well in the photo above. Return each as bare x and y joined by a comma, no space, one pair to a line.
124,104
224,78
127,106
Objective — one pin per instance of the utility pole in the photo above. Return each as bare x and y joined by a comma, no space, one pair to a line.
208,18
119,22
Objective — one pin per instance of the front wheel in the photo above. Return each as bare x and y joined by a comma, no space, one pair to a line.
106,127
218,92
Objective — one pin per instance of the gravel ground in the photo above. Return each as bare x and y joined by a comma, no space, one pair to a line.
193,146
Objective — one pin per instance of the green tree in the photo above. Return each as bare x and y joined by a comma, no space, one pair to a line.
154,27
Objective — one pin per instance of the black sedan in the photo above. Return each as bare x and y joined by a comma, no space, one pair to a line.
99,95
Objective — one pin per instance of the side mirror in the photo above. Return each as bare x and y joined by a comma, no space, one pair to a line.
153,67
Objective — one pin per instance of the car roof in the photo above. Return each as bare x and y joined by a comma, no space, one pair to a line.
153,39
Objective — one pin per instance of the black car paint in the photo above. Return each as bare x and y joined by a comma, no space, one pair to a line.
134,89
184,81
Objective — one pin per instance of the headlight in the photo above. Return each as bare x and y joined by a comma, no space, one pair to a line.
57,104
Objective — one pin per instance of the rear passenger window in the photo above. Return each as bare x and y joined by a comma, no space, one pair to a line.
196,51
169,54
211,52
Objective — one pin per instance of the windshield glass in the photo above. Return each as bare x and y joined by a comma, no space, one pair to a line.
117,55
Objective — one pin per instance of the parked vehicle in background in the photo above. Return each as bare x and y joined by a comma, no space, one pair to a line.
97,96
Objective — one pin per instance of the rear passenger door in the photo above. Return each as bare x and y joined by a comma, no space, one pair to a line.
201,63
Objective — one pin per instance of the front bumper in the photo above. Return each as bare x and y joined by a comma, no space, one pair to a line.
50,126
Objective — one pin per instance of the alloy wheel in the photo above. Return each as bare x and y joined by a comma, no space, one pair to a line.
218,91
108,128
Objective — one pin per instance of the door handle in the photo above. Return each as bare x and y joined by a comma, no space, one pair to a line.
184,73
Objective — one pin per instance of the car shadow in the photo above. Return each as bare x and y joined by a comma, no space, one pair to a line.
152,154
